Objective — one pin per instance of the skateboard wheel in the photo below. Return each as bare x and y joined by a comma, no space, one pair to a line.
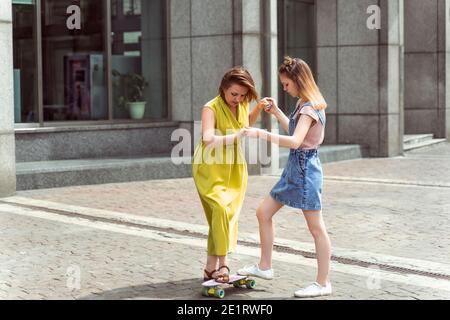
250,284
219,293
205,292
236,284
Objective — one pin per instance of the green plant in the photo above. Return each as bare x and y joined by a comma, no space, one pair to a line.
132,87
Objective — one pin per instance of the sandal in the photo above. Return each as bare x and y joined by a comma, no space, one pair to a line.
223,277
209,275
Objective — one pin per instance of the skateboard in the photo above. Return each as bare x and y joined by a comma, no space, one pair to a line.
212,288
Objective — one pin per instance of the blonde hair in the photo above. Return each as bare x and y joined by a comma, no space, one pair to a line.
299,72
242,77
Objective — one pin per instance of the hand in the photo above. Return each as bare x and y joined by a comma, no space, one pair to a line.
271,107
263,104
240,133
251,132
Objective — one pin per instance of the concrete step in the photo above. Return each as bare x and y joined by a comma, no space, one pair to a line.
63,173
331,153
94,141
421,144
413,139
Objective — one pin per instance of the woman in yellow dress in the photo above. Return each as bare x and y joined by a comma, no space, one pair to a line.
219,168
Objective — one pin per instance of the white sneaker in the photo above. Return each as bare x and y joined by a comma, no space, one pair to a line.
314,290
255,271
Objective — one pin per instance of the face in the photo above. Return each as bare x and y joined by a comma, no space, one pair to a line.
289,86
235,94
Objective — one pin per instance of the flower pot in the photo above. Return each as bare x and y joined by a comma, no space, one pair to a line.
137,109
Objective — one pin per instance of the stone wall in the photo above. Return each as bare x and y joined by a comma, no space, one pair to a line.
360,73
7,144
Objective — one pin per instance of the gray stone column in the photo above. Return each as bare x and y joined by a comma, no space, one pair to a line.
270,62
152,62
426,67
445,89
7,141
359,73
201,50
207,37
180,62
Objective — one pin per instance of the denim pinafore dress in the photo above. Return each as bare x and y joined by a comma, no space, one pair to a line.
300,185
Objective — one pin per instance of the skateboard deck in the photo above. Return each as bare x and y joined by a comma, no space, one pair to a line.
212,288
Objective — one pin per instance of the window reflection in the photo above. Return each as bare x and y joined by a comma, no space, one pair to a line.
74,86
138,59
74,61
24,57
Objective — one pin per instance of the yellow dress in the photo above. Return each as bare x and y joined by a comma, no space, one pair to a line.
220,175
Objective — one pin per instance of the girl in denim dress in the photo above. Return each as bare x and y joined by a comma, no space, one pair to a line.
300,185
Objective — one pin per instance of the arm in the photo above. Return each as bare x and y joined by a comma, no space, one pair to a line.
292,142
281,117
208,132
254,114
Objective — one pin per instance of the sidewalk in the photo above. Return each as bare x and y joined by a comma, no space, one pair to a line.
408,220
381,214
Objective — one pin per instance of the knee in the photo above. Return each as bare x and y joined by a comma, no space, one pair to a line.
317,231
262,216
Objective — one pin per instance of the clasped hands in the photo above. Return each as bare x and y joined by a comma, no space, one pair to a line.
269,105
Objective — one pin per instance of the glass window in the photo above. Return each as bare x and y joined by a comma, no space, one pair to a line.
138,59
73,60
24,57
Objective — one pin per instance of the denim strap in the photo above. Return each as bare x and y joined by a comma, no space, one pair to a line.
319,114
321,117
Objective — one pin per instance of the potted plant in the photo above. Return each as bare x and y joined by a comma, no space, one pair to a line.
132,86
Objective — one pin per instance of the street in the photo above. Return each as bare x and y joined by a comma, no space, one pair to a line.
388,220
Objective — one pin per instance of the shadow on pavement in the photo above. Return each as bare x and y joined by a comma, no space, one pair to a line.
188,289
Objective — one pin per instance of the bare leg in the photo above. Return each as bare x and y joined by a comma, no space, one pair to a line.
322,243
212,263
264,213
223,262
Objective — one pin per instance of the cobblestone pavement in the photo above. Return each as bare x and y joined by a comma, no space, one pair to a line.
397,207
45,259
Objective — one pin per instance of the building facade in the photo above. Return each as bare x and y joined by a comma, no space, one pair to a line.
69,69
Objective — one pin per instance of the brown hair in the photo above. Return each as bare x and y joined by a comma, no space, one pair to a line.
242,77
299,72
